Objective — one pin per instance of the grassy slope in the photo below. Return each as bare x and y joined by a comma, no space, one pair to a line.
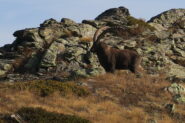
114,99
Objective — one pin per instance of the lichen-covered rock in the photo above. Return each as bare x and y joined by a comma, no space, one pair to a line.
170,30
50,23
82,30
5,67
162,34
32,64
114,16
50,56
86,30
114,13
168,18
157,26
179,99
94,23
175,71
28,37
62,49
67,21
176,89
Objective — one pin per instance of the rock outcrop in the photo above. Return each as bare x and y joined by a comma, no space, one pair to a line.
169,18
170,27
61,49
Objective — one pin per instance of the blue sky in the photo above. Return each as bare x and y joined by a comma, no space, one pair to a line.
20,14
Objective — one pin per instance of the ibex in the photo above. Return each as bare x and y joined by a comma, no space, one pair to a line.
112,58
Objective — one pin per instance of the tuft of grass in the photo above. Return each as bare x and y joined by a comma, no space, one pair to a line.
67,33
131,91
142,25
153,38
115,98
47,87
86,39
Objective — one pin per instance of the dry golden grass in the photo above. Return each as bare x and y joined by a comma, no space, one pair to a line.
86,39
67,33
119,98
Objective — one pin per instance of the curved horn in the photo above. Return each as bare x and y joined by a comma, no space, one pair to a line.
107,29
97,33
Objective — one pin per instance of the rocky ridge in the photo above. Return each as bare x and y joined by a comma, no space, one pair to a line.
60,50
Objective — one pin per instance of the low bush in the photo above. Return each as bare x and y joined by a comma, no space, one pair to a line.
47,87
39,115
142,25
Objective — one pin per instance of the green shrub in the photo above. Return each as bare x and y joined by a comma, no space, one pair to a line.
38,115
47,87
6,118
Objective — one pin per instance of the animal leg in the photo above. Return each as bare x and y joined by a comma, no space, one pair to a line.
112,64
112,68
137,66
132,69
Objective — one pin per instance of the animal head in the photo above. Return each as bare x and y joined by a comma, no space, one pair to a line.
101,32
94,47
96,39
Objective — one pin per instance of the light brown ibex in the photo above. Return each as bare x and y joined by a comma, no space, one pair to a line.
112,58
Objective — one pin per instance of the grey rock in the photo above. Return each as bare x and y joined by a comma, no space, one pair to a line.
114,13
50,56
176,89
67,21
5,67
151,121
157,26
80,73
179,99
162,34
32,64
28,35
170,108
167,18
94,23
50,23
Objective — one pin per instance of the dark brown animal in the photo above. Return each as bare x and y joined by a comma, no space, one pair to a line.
112,58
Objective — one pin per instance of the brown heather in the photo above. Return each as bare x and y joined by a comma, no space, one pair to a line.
86,39
114,98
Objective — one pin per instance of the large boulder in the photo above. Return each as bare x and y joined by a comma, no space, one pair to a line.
114,13
170,29
50,55
168,18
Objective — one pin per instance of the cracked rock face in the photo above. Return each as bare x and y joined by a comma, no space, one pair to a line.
168,18
62,48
